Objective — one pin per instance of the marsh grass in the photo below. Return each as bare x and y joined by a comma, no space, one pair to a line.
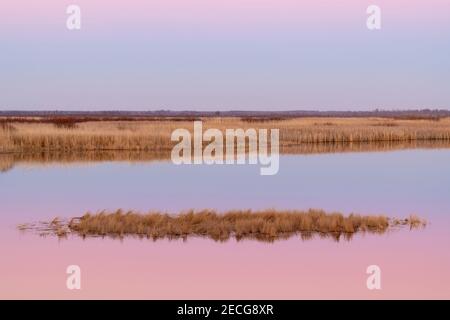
414,222
267,225
71,135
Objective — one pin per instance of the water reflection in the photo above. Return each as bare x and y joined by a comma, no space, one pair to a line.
9,160
391,183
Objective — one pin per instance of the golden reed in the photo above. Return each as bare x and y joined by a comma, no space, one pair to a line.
154,135
266,225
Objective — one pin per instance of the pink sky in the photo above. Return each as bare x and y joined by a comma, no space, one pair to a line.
237,54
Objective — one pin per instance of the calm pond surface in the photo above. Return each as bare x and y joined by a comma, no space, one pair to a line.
414,264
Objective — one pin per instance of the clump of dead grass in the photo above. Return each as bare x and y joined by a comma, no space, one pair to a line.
413,221
267,225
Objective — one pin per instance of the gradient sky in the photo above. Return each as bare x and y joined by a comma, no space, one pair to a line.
234,54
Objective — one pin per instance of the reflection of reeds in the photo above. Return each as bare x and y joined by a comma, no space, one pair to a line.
18,135
9,160
375,146
268,225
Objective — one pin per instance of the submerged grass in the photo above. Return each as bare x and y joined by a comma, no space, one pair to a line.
267,225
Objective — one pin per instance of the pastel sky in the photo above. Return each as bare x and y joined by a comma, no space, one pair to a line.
217,54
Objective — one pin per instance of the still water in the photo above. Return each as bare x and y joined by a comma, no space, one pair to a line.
414,264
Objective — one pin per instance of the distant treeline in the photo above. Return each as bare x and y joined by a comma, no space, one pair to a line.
404,114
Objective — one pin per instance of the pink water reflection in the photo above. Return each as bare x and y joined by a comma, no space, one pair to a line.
414,264
35,268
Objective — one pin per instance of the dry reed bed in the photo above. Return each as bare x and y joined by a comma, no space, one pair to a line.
146,135
267,225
